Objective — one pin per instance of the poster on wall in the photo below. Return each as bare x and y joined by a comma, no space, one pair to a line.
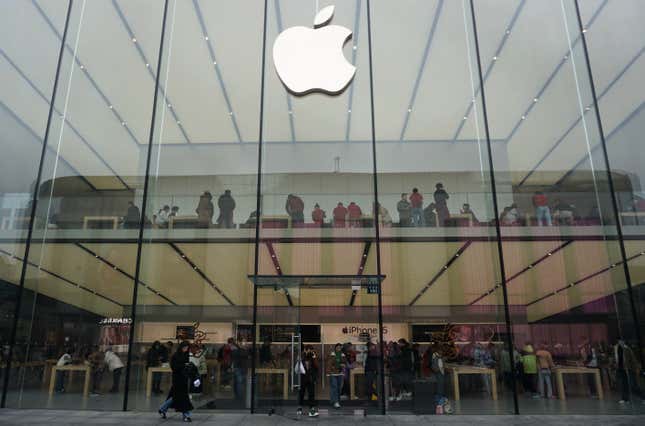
282,333
115,333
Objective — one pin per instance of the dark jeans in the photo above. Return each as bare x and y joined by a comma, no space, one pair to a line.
97,374
529,380
628,381
116,379
239,377
156,382
61,376
371,386
307,385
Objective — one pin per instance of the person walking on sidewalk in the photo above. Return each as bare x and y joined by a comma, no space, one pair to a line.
183,372
337,363
307,367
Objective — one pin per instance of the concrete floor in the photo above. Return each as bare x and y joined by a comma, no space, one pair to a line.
57,417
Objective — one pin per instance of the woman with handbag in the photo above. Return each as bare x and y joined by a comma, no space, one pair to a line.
307,367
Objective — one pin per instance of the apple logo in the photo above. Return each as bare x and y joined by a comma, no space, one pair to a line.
311,59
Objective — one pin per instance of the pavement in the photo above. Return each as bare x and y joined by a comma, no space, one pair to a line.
91,418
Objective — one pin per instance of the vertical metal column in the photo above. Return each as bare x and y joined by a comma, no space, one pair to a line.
610,181
144,202
258,209
32,213
375,213
500,248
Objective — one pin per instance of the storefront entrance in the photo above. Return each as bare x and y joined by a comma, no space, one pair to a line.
315,354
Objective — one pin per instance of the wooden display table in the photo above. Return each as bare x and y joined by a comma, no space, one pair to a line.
183,222
151,370
462,217
285,378
71,368
638,218
49,363
276,221
560,371
457,369
87,220
352,380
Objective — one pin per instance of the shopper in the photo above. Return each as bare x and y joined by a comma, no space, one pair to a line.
205,210
542,212
404,209
115,366
239,365
336,366
61,375
307,367
529,369
153,359
354,214
416,208
226,205
441,204
95,360
295,208
429,215
132,217
163,216
318,215
484,358
371,371
592,361
406,368
340,215
384,216
183,372
545,366
626,371
564,212
466,210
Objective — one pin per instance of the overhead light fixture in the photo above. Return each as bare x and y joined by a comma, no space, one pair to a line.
494,58
524,117
206,38
134,40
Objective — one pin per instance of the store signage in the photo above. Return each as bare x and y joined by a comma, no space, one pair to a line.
115,321
359,332
311,60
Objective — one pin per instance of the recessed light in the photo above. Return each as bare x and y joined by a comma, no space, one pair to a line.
230,113
205,37
549,254
494,58
409,109
123,123
535,100
524,117
465,118
147,65
508,32
584,30
354,47
82,67
134,40
214,62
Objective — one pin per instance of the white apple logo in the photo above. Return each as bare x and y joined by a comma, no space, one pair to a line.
311,59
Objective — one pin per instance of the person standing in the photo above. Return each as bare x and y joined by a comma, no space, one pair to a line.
182,374
354,214
198,358
153,359
416,208
542,212
371,371
337,364
226,204
65,359
205,210
406,365
465,209
339,214
626,371
318,215
115,366
295,208
441,204
529,369
308,370
545,365
384,217
132,217
95,360
484,359
403,207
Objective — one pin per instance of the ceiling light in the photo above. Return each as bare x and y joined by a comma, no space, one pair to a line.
535,100
178,122
524,117
354,47
123,123
214,62
349,111
530,266
82,67
205,37
465,118
508,32
290,112
584,30
494,58
587,108
549,254
230,113
147,65
134,40
457,255
445,266
110,106
365,255
566,57
643,253
169,106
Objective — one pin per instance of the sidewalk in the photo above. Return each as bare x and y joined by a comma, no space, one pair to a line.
85,418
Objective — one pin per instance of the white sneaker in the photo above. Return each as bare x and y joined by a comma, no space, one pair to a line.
391,399
622,401
313,413
336,405
399,397
299,411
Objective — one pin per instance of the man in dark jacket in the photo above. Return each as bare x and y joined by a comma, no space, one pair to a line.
404,208
441,204
132,217
308,369
153,359
407,368
226,205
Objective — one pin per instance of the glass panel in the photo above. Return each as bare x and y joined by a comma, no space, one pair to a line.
74,338
439,250
558,225
620,101
317,201
198,248
27,73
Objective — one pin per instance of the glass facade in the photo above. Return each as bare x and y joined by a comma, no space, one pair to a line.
459,229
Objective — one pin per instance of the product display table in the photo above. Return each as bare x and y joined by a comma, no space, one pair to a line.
560,371
457,369
71,368
149,378
88,220
285,378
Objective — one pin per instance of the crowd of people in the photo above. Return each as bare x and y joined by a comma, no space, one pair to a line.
412,210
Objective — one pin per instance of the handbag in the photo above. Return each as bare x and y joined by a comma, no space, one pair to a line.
299,368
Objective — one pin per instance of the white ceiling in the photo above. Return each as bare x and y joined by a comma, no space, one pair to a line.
98,140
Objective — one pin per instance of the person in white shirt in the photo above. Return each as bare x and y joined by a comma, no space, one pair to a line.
163,216
64,360
115,365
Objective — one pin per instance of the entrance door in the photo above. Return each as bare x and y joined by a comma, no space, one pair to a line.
313,353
